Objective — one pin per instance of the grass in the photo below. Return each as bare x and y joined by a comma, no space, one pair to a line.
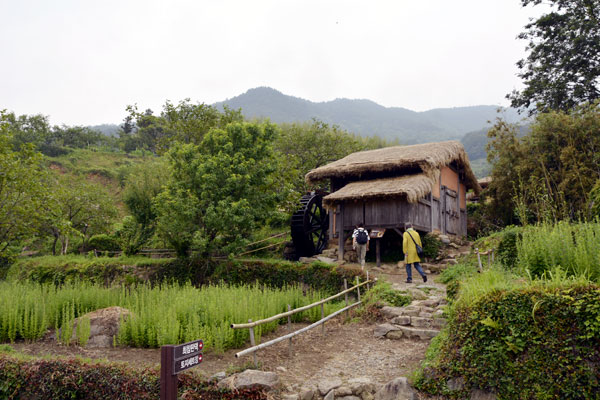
165,314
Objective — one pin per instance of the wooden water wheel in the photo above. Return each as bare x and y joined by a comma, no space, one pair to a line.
310,225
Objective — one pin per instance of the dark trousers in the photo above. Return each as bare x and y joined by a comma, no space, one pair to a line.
409,270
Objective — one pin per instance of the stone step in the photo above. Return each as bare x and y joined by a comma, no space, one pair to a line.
412,333
419,322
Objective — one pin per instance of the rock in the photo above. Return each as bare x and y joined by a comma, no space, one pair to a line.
348,398
326,385
395,335
219,376
289,397
419,333
382,330
307,260
457,383
417,294
401,320
431,302
411,312
361,386
307,394
477,394
281,369
420,322
397,389
451,261
444,239
392,312
454,245
425,286
330,395
343,391
251,378
104,325
425,314
326,260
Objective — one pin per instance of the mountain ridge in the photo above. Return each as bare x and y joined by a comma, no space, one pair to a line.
366,117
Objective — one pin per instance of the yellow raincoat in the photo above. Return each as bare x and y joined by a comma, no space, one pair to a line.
408,246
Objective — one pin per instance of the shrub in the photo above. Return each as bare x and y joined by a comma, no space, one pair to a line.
531,341
507,248
103,242
431,246
49,379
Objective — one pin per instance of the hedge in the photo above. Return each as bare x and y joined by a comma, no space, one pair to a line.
128,270
28,378
537,342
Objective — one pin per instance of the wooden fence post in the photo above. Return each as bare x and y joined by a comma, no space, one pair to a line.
289,330
323,316
358,289
253,343
346,296
479,260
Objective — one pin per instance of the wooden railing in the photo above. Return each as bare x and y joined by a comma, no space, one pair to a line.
251,324
489,253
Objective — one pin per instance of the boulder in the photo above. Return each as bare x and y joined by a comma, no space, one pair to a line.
251,378
444,239
326,260
417,294
395,335
391,312
104,325
343,391
219,376
397,389
362,386
401,320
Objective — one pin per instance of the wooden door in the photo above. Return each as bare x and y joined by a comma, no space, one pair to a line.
451,212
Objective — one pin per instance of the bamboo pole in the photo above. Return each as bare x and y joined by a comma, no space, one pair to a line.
290,335
253,343
297,310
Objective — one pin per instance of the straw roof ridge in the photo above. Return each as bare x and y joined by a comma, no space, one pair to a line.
428,158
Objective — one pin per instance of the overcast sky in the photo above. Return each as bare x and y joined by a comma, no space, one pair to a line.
82,62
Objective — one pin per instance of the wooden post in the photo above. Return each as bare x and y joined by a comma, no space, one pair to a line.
377,252
341,233
322,316
289,324
492,255
168,380
367,279
358,289
346,296
253,343
479,260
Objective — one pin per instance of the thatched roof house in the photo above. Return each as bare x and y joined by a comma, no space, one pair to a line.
425,184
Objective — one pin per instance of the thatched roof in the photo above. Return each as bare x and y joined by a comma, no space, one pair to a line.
410,187
427,158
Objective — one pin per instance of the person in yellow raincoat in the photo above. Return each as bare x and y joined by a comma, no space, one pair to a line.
410,239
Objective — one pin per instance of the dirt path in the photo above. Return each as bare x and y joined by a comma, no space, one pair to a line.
348,350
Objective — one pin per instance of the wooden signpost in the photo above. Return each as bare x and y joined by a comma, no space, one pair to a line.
176,359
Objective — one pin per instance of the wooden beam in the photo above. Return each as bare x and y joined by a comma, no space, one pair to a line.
341,238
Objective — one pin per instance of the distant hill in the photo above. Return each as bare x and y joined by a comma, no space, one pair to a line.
475,143
368,118
106,129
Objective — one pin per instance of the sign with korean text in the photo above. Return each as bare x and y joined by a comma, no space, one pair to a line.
187,355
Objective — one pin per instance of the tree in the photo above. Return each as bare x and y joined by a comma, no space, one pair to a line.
306,146
548,173
218,191
22,190
562,69
184,122
77,207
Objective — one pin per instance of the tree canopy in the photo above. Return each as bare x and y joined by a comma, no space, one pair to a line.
219,190
562,69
